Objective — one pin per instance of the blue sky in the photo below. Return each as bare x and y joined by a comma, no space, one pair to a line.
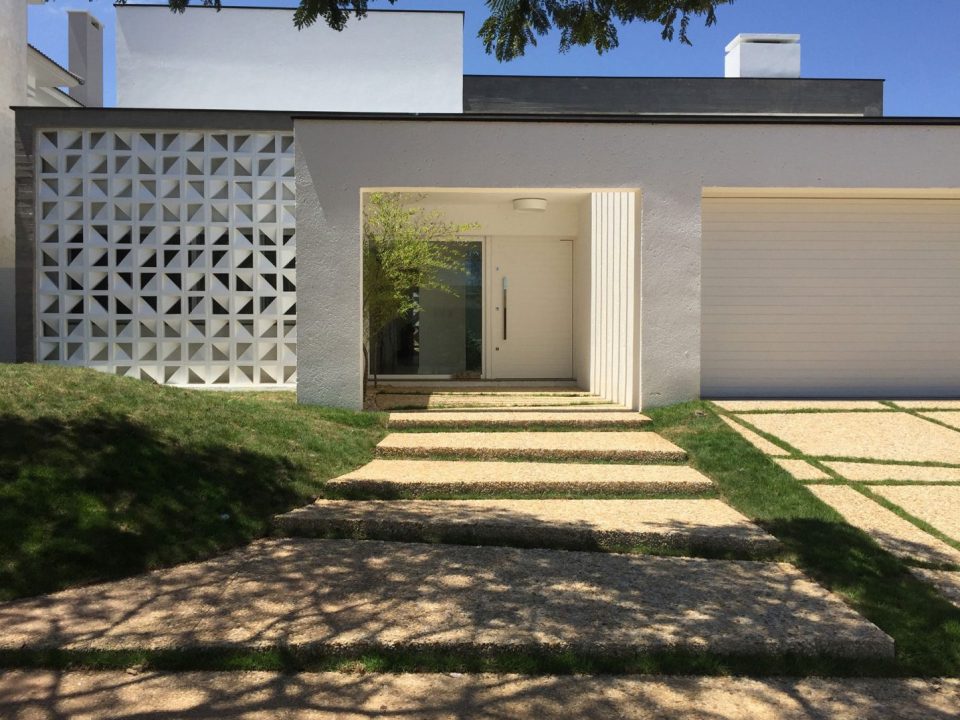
917,53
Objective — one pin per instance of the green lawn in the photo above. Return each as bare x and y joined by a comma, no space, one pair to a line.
103,477
924,625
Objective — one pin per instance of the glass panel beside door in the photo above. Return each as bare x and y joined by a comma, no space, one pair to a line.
445,338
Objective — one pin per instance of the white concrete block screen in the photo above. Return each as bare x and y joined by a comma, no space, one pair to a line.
255,59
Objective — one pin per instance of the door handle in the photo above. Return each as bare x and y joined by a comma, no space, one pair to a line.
504,307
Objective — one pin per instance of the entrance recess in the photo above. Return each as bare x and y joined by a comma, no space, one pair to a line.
529,297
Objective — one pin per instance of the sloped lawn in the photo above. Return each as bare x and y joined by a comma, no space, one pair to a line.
103,477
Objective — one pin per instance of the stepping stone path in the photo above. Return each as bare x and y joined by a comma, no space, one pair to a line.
424,584
635,446
607,524
342,595
443,696
516,419
411,478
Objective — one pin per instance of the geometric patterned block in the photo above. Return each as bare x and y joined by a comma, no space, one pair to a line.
168,256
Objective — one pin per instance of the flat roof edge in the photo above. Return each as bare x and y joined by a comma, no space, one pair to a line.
670,78
622,118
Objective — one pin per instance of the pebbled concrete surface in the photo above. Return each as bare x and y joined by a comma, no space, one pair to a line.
946,581
395,401
758,441
892,532
947,418
875,472
797,405
413,477
564,445
516,419
575,524
877,436
928,404
801,469
938,505
52,695
360,595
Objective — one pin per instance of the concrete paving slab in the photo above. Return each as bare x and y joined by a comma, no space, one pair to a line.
751,406
938,505
574,524
946,581
515,419
877,436
563,445
413,477
801,469
877,472
892,532
946,417
73,695
928,404
350,595
463,401
758,441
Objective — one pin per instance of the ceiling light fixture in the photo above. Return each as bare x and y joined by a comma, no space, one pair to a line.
530,204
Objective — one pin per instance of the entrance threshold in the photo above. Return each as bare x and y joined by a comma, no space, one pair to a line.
475,384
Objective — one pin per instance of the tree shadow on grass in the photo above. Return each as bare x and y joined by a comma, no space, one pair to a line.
109,497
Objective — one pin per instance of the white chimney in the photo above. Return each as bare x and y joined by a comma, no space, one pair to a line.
85,43
752,55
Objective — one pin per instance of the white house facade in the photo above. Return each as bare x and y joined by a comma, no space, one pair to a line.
653,240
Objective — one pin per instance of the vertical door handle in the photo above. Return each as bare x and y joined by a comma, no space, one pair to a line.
504,307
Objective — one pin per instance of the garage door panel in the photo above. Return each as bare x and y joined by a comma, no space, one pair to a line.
846,297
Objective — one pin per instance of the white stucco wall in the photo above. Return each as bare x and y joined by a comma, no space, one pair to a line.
255,59
13,91
670,164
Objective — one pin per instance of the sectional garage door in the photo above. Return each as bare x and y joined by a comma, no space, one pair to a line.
843,297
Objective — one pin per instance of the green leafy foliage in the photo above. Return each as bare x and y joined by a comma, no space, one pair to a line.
405,250
515,25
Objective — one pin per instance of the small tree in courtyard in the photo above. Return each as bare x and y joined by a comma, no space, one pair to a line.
405,250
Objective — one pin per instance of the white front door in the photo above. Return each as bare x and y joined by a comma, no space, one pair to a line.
529,297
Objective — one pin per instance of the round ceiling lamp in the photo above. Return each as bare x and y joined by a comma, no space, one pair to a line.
530,204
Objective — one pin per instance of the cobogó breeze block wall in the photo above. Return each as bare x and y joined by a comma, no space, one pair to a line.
168,256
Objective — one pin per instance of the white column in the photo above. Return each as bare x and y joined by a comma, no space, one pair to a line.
329,282
669,298
13,91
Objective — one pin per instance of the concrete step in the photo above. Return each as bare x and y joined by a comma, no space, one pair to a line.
571,445
423,401
700,525
411,478
486,388
355,596
516,419
443,696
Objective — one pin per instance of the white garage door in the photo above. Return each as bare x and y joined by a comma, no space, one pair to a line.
846,297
